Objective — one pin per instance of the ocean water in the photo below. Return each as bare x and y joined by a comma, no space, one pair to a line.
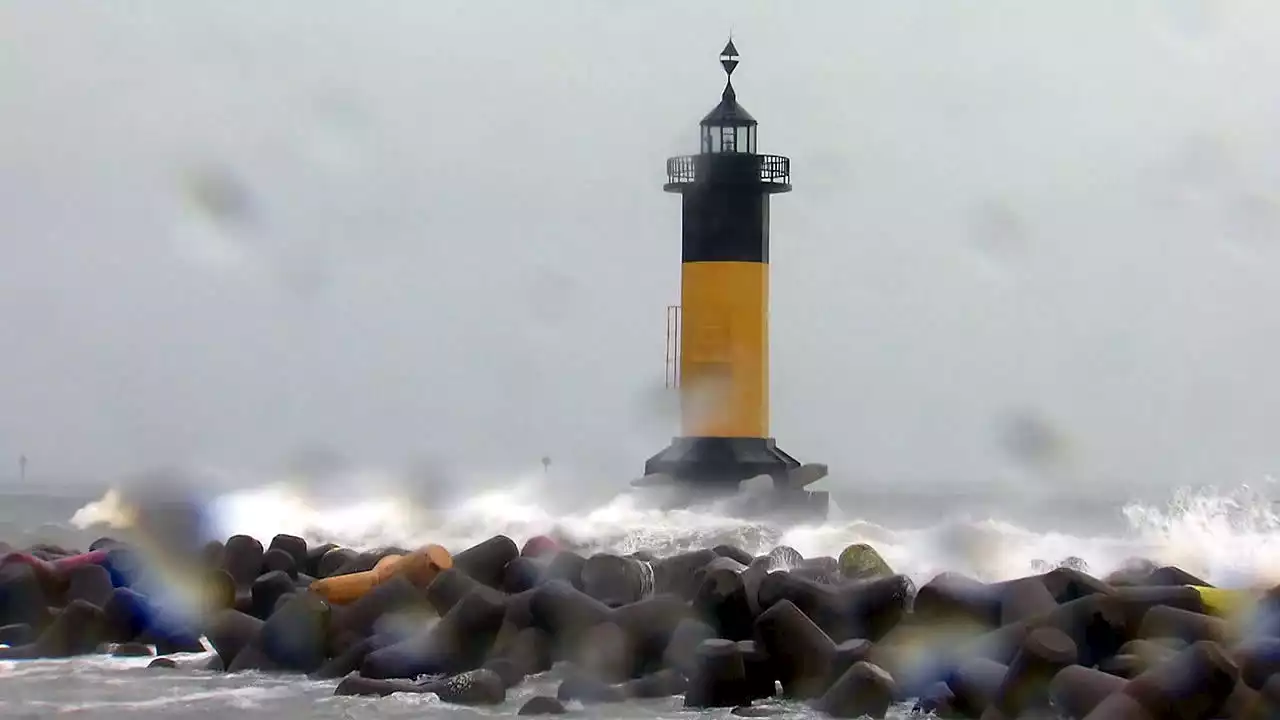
1230,536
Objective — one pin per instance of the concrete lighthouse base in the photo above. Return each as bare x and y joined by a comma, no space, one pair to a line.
710,468
721,460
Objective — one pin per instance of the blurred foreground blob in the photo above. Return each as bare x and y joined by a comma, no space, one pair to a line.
218,217
320,463
999,232
1033,440
162,513
177,526
220,195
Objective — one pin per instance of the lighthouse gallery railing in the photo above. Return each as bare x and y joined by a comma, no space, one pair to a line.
685,169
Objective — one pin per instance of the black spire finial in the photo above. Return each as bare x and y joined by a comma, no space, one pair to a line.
728,113
729,57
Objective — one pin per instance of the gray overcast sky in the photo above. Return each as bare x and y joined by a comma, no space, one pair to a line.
451,240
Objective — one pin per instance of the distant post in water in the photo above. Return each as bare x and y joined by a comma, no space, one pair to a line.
720,331
22,468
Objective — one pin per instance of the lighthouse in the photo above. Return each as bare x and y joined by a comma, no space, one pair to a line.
718,336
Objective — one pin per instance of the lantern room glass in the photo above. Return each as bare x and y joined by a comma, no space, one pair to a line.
728,139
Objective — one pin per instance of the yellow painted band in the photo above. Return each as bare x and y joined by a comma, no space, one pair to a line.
724,349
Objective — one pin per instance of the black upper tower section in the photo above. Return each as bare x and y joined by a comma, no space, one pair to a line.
726,186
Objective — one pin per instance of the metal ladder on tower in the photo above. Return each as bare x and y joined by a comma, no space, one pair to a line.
671,374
